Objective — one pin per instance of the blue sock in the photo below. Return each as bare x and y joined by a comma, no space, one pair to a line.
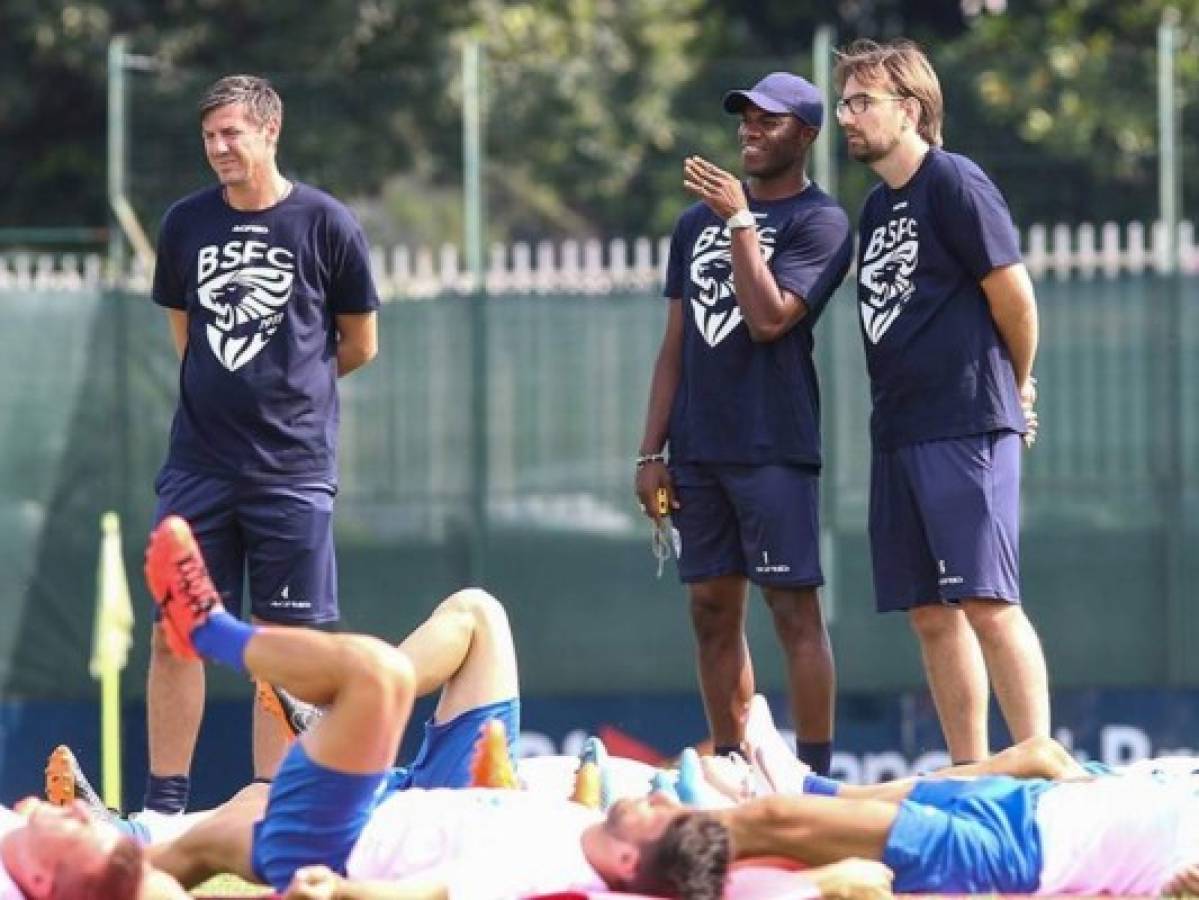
817,754
134,829
167,793
223,639
818,784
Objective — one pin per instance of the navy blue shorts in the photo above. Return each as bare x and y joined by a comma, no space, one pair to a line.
945,521
759,521
967,837
281,534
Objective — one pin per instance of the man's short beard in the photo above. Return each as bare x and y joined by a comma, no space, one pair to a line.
871,153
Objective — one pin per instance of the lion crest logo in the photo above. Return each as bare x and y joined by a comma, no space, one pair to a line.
248,305
714,303
889,286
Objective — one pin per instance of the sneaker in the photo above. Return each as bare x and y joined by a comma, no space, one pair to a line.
595,752
774,760
293,714
66,783
491,765
730,775
179,582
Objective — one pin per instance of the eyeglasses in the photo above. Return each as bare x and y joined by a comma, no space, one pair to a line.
859,103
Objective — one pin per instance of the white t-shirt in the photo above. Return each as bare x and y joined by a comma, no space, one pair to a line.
554,776
1127,835
483,844
1179,767
9,821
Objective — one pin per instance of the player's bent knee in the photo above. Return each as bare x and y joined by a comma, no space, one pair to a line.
476,601
372,664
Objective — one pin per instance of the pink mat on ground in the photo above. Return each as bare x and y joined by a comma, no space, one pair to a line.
750,879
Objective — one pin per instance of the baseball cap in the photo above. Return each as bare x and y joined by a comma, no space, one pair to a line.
781,92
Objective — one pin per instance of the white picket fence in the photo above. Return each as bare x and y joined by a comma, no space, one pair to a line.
593,268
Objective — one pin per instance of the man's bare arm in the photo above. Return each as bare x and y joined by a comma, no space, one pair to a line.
320,883
811,829
667,371
1014,309
178,321
357,341
1013,306
769,311
852,879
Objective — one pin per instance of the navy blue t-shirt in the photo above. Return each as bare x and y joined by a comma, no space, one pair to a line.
938,367
739,401
258,383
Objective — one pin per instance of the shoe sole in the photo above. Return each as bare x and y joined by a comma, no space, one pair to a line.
60,776
170,543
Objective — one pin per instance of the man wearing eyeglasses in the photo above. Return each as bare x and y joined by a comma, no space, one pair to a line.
949,323
734,395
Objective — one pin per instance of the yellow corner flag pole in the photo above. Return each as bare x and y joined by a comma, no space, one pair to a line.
111,640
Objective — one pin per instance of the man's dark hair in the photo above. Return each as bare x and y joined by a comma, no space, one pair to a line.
119,878
690,860
261,100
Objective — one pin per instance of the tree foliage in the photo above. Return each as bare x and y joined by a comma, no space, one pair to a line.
1069,92
590,104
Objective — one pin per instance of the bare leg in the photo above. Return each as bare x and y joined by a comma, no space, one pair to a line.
466,644
465,648
365,685
175,706
269,739
1016,665
726,677
220,843
1038,757
957,677
811,676
1035,757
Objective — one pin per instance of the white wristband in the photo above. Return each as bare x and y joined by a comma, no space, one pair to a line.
742,218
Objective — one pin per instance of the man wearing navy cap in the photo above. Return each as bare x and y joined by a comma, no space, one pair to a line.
732,433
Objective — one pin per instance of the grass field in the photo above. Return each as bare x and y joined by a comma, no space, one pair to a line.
230,886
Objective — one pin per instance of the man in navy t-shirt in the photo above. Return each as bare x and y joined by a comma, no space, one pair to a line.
735,398
949,323
268,288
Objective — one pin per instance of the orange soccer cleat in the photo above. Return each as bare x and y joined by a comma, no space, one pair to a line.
292,713
179,582
492,766
65,781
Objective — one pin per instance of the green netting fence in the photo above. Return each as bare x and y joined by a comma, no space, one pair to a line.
492,441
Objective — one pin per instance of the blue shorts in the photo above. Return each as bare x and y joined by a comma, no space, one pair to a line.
967,837
445,754
762,522
281,534
945,521
315,815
